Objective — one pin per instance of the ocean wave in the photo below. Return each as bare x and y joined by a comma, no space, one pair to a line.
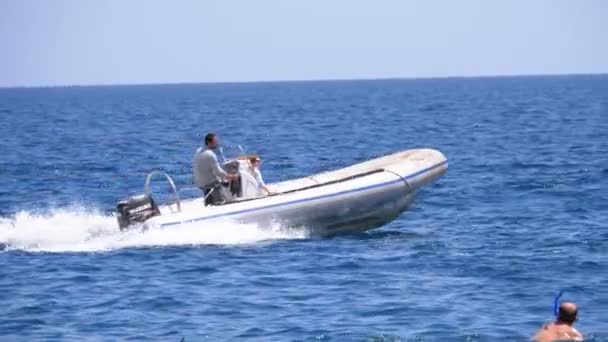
78,229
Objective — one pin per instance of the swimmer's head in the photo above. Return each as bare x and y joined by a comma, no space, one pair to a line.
568,312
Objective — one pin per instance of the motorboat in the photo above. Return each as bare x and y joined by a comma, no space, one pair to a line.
352,199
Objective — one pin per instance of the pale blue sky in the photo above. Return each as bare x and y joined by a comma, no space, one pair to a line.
58,42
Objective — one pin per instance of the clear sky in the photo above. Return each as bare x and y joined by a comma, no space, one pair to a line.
57,42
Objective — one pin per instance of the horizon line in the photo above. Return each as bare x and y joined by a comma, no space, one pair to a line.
397,78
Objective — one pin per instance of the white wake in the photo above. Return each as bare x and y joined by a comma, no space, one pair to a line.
88,230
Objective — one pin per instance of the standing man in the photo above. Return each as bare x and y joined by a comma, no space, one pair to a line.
562,328
208,173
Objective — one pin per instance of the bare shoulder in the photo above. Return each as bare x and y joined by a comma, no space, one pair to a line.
567,334
550,332
544,334
576,335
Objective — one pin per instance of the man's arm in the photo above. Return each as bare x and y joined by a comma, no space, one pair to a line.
219,172
258,178
217,169
261,184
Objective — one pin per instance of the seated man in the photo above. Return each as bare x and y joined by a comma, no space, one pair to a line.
208,174
255,166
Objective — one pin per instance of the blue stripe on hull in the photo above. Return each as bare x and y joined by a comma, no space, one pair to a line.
413,175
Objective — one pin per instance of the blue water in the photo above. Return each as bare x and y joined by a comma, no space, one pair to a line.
521,213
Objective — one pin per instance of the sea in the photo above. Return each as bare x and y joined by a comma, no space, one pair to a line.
481,254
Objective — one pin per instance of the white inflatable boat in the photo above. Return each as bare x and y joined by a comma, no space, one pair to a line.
356,198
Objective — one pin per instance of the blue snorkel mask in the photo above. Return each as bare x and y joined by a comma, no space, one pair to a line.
556,303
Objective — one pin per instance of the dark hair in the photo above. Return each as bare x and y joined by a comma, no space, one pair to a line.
209,138
567,315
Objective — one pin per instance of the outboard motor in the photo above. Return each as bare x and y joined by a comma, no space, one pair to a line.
136,209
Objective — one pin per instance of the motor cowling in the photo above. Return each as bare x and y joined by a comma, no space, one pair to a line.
136,209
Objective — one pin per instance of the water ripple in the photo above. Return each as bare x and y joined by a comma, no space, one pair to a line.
478,257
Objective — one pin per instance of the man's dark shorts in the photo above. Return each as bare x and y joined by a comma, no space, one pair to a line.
219,193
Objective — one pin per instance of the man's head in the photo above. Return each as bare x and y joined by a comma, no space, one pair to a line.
568,312
211,140
254,160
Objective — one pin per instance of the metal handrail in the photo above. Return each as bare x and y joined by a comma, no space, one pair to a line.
175,193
